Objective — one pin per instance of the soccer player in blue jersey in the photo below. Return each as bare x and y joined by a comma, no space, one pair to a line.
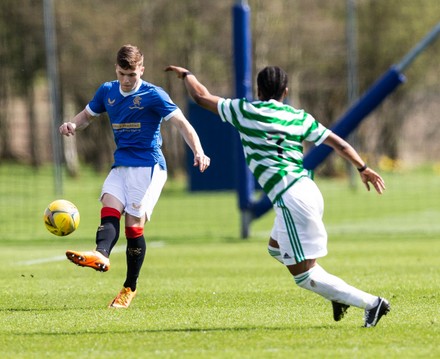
272,135
136,109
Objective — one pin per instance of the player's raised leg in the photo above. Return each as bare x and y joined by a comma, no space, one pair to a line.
107,235
91,259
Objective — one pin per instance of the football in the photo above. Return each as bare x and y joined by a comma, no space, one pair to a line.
61,217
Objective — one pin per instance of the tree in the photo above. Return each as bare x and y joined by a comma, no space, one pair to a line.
306,38
5,73
24,60
396,28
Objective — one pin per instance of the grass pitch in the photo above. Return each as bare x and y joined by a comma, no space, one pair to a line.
204,293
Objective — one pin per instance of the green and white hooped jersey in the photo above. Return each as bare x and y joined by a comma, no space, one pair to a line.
272,135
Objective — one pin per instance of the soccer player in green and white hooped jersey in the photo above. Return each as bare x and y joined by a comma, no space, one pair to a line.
272,135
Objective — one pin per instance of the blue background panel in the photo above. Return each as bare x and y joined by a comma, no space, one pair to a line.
219,141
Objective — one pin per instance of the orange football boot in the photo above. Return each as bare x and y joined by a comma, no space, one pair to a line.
92,259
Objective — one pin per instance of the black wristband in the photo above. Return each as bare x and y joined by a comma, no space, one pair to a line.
363,168
185,74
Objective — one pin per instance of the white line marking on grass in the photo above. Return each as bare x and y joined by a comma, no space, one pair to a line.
117,249
42,260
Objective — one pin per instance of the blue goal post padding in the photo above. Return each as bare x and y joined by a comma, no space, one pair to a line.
365,105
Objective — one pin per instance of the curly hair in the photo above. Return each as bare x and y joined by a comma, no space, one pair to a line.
272,82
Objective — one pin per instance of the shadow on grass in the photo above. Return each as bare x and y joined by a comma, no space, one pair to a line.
178,330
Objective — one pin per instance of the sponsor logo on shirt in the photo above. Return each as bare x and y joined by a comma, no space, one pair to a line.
111,102
120,126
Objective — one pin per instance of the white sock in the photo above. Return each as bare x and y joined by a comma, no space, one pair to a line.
333,288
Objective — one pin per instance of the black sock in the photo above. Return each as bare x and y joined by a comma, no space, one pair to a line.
135,253
107,235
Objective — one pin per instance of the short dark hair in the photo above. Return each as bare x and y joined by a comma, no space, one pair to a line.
129,57
272,82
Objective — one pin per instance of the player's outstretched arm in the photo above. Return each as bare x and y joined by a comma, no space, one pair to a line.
196,89
345,150
192,139
79,122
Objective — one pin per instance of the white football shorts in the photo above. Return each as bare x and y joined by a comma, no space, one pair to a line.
137,188
298,227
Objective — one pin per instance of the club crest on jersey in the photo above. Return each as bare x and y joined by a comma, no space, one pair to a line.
136,103
111,102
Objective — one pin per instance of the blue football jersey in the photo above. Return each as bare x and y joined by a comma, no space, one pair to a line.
135,118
